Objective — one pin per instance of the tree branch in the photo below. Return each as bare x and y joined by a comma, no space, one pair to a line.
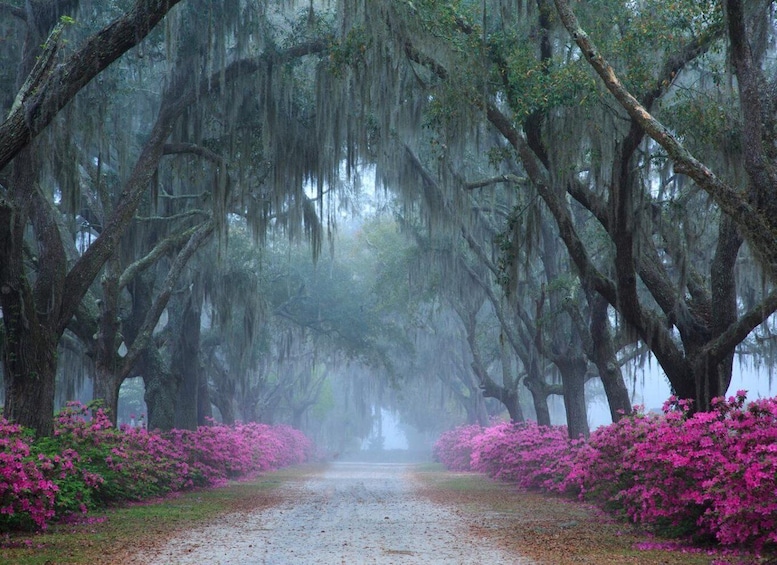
141,341
177,98
181,216
15,11
40,71
724,344
512,179
161,248
756,228
193,149
67,79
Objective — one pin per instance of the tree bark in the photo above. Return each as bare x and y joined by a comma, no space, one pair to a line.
605,359
107,378
573,371
204,408
539,394
28,308
161,390
185,362
225,404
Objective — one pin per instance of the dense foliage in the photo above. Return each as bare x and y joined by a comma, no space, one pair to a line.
709,475
89,464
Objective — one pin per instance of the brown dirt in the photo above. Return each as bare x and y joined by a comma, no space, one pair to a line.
548,529
365,513
156,534
545,530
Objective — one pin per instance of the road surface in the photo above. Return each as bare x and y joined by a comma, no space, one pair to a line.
352,514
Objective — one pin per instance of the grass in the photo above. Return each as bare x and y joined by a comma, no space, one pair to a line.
547,529
128,529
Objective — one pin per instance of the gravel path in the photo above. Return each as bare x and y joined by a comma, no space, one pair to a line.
353,513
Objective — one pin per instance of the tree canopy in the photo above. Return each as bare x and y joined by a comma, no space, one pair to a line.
269,208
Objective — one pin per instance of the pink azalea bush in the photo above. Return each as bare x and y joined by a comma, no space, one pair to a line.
530,455
454,447
707,475
88,463
218,453
130,464
26,494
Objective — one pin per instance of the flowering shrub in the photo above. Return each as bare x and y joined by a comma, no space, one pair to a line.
598,473
454,448
217,453
530,455
743,493
297,447
115,465
88,463
27,496
709,475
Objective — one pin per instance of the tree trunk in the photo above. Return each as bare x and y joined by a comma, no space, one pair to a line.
106,387
29,365
185,362
565,348
161,391
513,399
490,388
297,414
204,408
475,413
573,374
605,359
31,339
226,406
723,289
508,398
107,380
481,411
539,396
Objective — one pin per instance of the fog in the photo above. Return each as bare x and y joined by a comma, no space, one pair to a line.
292,226
649,388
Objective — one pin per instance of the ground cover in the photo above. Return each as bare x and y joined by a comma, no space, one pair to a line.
112,535
702,478
87,464
548,529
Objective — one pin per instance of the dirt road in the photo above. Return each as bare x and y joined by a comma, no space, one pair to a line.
353,513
